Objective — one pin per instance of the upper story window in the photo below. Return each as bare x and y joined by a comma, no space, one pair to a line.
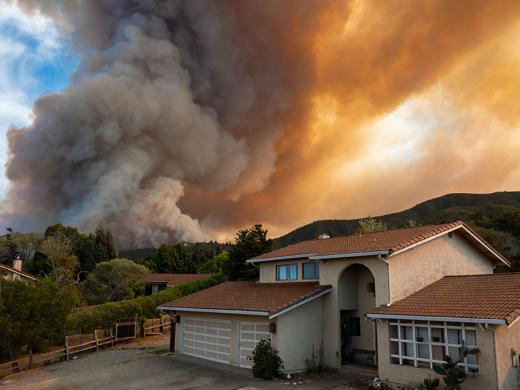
287,272
311,271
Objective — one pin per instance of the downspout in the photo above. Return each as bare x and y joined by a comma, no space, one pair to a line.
389,288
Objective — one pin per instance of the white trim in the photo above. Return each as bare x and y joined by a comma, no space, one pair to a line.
478,239
349,254
431,318
220,311
514,321
275,258
299,304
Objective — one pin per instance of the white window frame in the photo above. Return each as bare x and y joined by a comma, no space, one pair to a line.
287,272
444,344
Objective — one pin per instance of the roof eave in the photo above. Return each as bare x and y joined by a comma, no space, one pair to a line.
494,321
275,258
209,310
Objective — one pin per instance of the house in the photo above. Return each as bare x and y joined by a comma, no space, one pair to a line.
15,272
330,297
158,282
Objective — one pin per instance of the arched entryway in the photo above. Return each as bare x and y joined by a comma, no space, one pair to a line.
357,296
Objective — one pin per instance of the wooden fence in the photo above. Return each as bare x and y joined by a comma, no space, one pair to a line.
79,343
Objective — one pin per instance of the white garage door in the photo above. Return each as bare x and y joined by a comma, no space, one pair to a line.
207,339
250,333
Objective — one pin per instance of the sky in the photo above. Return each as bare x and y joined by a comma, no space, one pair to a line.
35,61
170,125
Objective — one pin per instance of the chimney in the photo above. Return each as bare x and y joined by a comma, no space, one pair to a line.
17,264
323,236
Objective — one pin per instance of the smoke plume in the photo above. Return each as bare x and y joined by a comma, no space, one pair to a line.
189,119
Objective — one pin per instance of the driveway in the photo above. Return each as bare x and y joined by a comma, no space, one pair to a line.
148,367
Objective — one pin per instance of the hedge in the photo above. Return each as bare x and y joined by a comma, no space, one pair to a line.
106,315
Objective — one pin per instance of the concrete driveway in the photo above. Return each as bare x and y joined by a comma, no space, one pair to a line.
142,367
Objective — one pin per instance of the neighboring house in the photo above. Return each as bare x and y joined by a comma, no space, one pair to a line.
316,297
159,282
15,272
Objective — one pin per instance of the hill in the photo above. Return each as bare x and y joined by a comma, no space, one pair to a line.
495,216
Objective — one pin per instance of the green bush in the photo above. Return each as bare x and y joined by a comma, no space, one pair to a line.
266,362
105,316
429,384
453,374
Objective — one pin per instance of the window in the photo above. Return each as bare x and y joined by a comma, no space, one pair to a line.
287,272
311,271
425,343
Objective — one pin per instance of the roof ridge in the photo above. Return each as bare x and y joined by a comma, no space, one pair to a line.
482,275
358,234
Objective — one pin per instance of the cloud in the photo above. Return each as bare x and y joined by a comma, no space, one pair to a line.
187,119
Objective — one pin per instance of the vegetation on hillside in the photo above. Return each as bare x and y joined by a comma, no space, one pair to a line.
496,217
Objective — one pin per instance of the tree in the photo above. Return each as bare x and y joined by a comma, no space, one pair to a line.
114,280
172,259
248,244
371,225
58,249
217,265
33,315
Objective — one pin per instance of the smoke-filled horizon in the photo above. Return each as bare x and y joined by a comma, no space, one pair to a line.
187,120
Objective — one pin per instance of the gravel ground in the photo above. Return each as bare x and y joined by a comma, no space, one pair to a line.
147,364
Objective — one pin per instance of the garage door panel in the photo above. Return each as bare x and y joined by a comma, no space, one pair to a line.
250,334
201,339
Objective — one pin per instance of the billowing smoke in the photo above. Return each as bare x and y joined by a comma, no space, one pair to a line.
190,119
167,92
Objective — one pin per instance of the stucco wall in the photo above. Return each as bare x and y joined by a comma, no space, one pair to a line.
330,273
299,334
235,319
507,338
395,373
424,264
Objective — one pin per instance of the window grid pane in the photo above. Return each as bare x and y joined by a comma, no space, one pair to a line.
425,344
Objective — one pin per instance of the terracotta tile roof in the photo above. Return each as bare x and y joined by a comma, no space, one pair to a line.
493,296
388,241
13,270
172,279
250,296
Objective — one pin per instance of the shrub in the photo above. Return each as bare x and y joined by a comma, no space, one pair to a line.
315,364
452,374
105,316
429,384
266,362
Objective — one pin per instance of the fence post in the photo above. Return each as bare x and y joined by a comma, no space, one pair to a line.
97,342
67,352
30,358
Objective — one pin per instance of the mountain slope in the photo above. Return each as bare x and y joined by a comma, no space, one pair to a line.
495,216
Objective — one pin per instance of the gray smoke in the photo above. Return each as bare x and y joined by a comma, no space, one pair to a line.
167,92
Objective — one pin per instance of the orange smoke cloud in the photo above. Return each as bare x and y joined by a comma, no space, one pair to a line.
411,100
291,111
